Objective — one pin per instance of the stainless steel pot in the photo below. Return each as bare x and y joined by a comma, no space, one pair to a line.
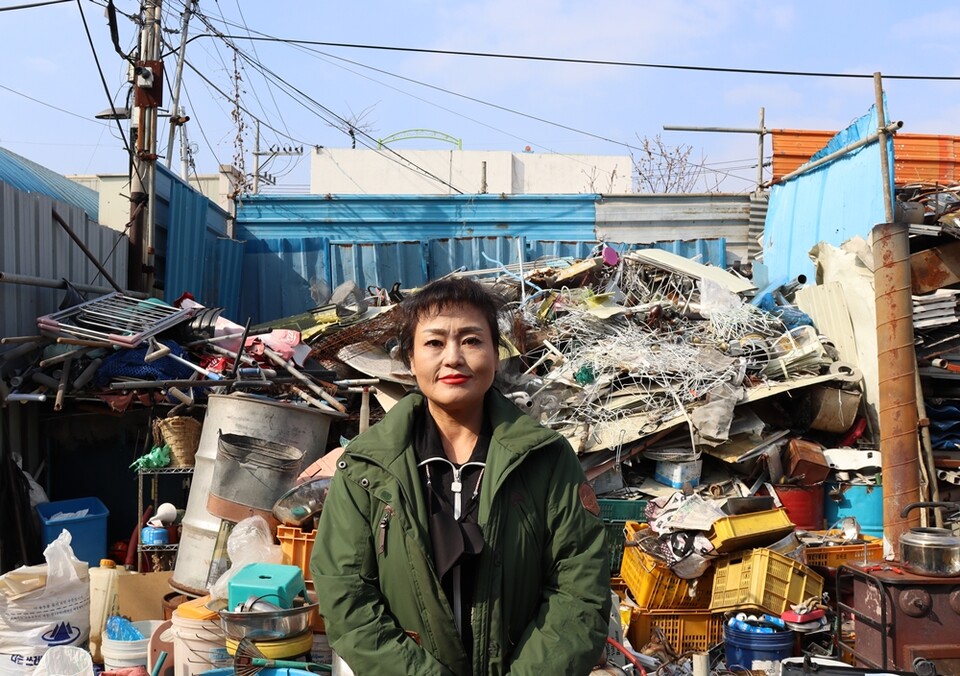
931,551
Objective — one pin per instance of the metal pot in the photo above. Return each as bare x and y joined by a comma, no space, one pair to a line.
931,551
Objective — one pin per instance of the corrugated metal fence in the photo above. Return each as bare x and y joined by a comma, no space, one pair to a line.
298,248
34,245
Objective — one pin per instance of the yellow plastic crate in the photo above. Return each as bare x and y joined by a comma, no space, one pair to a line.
837,555
746,531
762,580
653,585
684,631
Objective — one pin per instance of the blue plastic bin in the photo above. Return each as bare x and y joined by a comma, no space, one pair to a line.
863,502
89,533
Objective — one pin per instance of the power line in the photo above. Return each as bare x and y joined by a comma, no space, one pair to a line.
588,62
32,5
50,105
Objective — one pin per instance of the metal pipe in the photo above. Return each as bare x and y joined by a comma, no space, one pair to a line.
892,127
26,396
86,251
11,340
277,359
87,373
884,157
12,278
62,385
177,79
760,153
164,384
897,370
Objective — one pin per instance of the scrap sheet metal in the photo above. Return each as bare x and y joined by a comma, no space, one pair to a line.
831,203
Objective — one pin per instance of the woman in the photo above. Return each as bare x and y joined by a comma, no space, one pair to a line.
459,536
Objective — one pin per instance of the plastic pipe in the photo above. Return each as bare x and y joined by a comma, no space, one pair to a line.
897,370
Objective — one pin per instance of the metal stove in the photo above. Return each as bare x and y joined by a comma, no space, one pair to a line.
900,617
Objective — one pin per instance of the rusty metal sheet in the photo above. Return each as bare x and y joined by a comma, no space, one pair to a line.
935,268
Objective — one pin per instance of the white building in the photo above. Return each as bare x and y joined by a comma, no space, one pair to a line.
390,171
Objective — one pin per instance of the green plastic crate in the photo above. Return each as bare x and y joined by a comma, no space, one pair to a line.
616,509
615,540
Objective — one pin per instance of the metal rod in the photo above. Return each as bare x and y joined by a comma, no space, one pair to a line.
87,373
760,152
316,389
723,130
62,357
13,278
884,156
86,251
892,127
19,339
164,384
239,354
177,79
62,385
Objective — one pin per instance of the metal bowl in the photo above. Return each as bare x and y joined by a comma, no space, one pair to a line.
301,503
264,625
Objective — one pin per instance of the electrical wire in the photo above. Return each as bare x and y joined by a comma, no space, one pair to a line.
599,62
50,105
32,5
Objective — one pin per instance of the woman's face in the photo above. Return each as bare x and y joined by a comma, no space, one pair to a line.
453,358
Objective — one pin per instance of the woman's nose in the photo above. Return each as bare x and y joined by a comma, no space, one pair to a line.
452,354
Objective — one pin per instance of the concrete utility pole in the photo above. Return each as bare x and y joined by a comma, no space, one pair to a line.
148,97
177,119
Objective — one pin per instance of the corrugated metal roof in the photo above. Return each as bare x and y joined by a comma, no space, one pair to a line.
918,158
650,218
28,176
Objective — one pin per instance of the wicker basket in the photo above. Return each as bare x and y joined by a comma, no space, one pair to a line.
182,435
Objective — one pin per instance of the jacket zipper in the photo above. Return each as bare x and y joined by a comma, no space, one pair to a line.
384,524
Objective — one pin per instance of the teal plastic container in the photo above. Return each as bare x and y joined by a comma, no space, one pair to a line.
863,502
746,651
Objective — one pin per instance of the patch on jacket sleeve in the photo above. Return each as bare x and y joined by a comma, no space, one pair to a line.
589,499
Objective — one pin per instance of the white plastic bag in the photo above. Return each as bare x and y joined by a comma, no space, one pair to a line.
58,614
65,660
251,541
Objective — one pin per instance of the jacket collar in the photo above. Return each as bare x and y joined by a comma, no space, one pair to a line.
514,434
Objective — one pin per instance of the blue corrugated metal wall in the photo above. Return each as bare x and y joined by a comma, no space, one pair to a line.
192,253
298,248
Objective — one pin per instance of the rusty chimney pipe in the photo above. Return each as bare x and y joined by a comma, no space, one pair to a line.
897,368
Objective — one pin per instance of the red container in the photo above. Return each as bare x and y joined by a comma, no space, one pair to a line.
804,505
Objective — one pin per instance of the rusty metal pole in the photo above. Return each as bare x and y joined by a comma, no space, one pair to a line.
896,361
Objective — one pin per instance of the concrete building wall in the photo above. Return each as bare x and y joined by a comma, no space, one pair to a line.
345,171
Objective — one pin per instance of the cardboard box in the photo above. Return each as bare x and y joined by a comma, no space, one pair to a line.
141,595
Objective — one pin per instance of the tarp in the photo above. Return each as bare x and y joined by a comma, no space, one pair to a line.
831,203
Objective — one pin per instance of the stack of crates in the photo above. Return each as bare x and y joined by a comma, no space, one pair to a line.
669,606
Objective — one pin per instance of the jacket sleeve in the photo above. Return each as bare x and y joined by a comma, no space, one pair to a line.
344,565
568,634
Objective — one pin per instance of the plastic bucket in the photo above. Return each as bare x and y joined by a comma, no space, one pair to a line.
298,426
122,654
746,651
863,502
803,504
198,645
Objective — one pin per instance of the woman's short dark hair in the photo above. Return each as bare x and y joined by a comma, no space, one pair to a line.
442,294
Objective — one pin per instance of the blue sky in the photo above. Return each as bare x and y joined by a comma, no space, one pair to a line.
45,56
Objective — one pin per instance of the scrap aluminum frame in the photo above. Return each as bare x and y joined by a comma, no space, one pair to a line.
115,318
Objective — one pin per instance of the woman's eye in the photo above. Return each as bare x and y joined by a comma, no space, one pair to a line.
472,340
434,343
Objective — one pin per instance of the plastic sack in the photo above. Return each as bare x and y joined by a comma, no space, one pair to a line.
57,614
64,660
251,541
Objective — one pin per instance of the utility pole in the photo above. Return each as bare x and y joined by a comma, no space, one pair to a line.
273,151
176,114
148,97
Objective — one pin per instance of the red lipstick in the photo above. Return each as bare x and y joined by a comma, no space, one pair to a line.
455,379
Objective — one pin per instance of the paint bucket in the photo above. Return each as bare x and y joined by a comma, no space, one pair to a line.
803,504
746,651
122,654
198,641
298,426
250,475
865,503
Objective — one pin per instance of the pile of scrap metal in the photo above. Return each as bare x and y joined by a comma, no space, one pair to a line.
935,277
121,349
